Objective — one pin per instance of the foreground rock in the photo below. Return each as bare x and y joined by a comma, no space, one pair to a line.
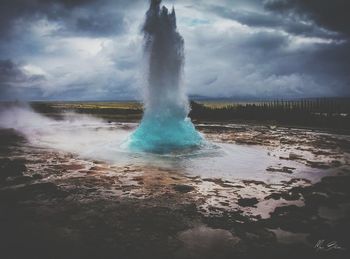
56,205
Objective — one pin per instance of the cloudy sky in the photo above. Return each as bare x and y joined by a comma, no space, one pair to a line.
92,49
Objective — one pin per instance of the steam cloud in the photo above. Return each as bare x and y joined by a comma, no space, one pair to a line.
80,134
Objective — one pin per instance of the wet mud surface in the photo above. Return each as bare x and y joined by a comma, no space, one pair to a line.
54,204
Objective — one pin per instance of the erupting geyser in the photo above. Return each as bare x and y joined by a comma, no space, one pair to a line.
165,126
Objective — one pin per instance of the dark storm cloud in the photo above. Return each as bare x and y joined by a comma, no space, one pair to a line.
12,77
288,24
92,49
12,10
11,73
330,62
87,17
294,45
333,15
99,25
8,72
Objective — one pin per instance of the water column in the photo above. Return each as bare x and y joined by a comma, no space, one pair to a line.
165,125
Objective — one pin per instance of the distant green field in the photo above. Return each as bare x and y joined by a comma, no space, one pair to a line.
111,111
222,104
93,105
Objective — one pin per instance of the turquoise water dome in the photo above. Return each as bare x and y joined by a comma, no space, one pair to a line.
164,135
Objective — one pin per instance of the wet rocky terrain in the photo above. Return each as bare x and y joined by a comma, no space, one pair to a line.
55,204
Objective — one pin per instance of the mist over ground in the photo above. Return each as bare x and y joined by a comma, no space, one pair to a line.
80,134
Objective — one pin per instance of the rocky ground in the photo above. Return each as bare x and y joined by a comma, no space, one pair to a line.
54,204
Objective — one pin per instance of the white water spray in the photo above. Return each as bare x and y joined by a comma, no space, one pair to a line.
165,126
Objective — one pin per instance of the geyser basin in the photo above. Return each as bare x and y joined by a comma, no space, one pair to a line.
165,127
93,139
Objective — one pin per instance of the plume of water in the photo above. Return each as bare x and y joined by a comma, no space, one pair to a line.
165,126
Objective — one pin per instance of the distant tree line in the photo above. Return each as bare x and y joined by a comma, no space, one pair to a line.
320,112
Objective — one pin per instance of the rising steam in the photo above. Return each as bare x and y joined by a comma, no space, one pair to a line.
165,125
